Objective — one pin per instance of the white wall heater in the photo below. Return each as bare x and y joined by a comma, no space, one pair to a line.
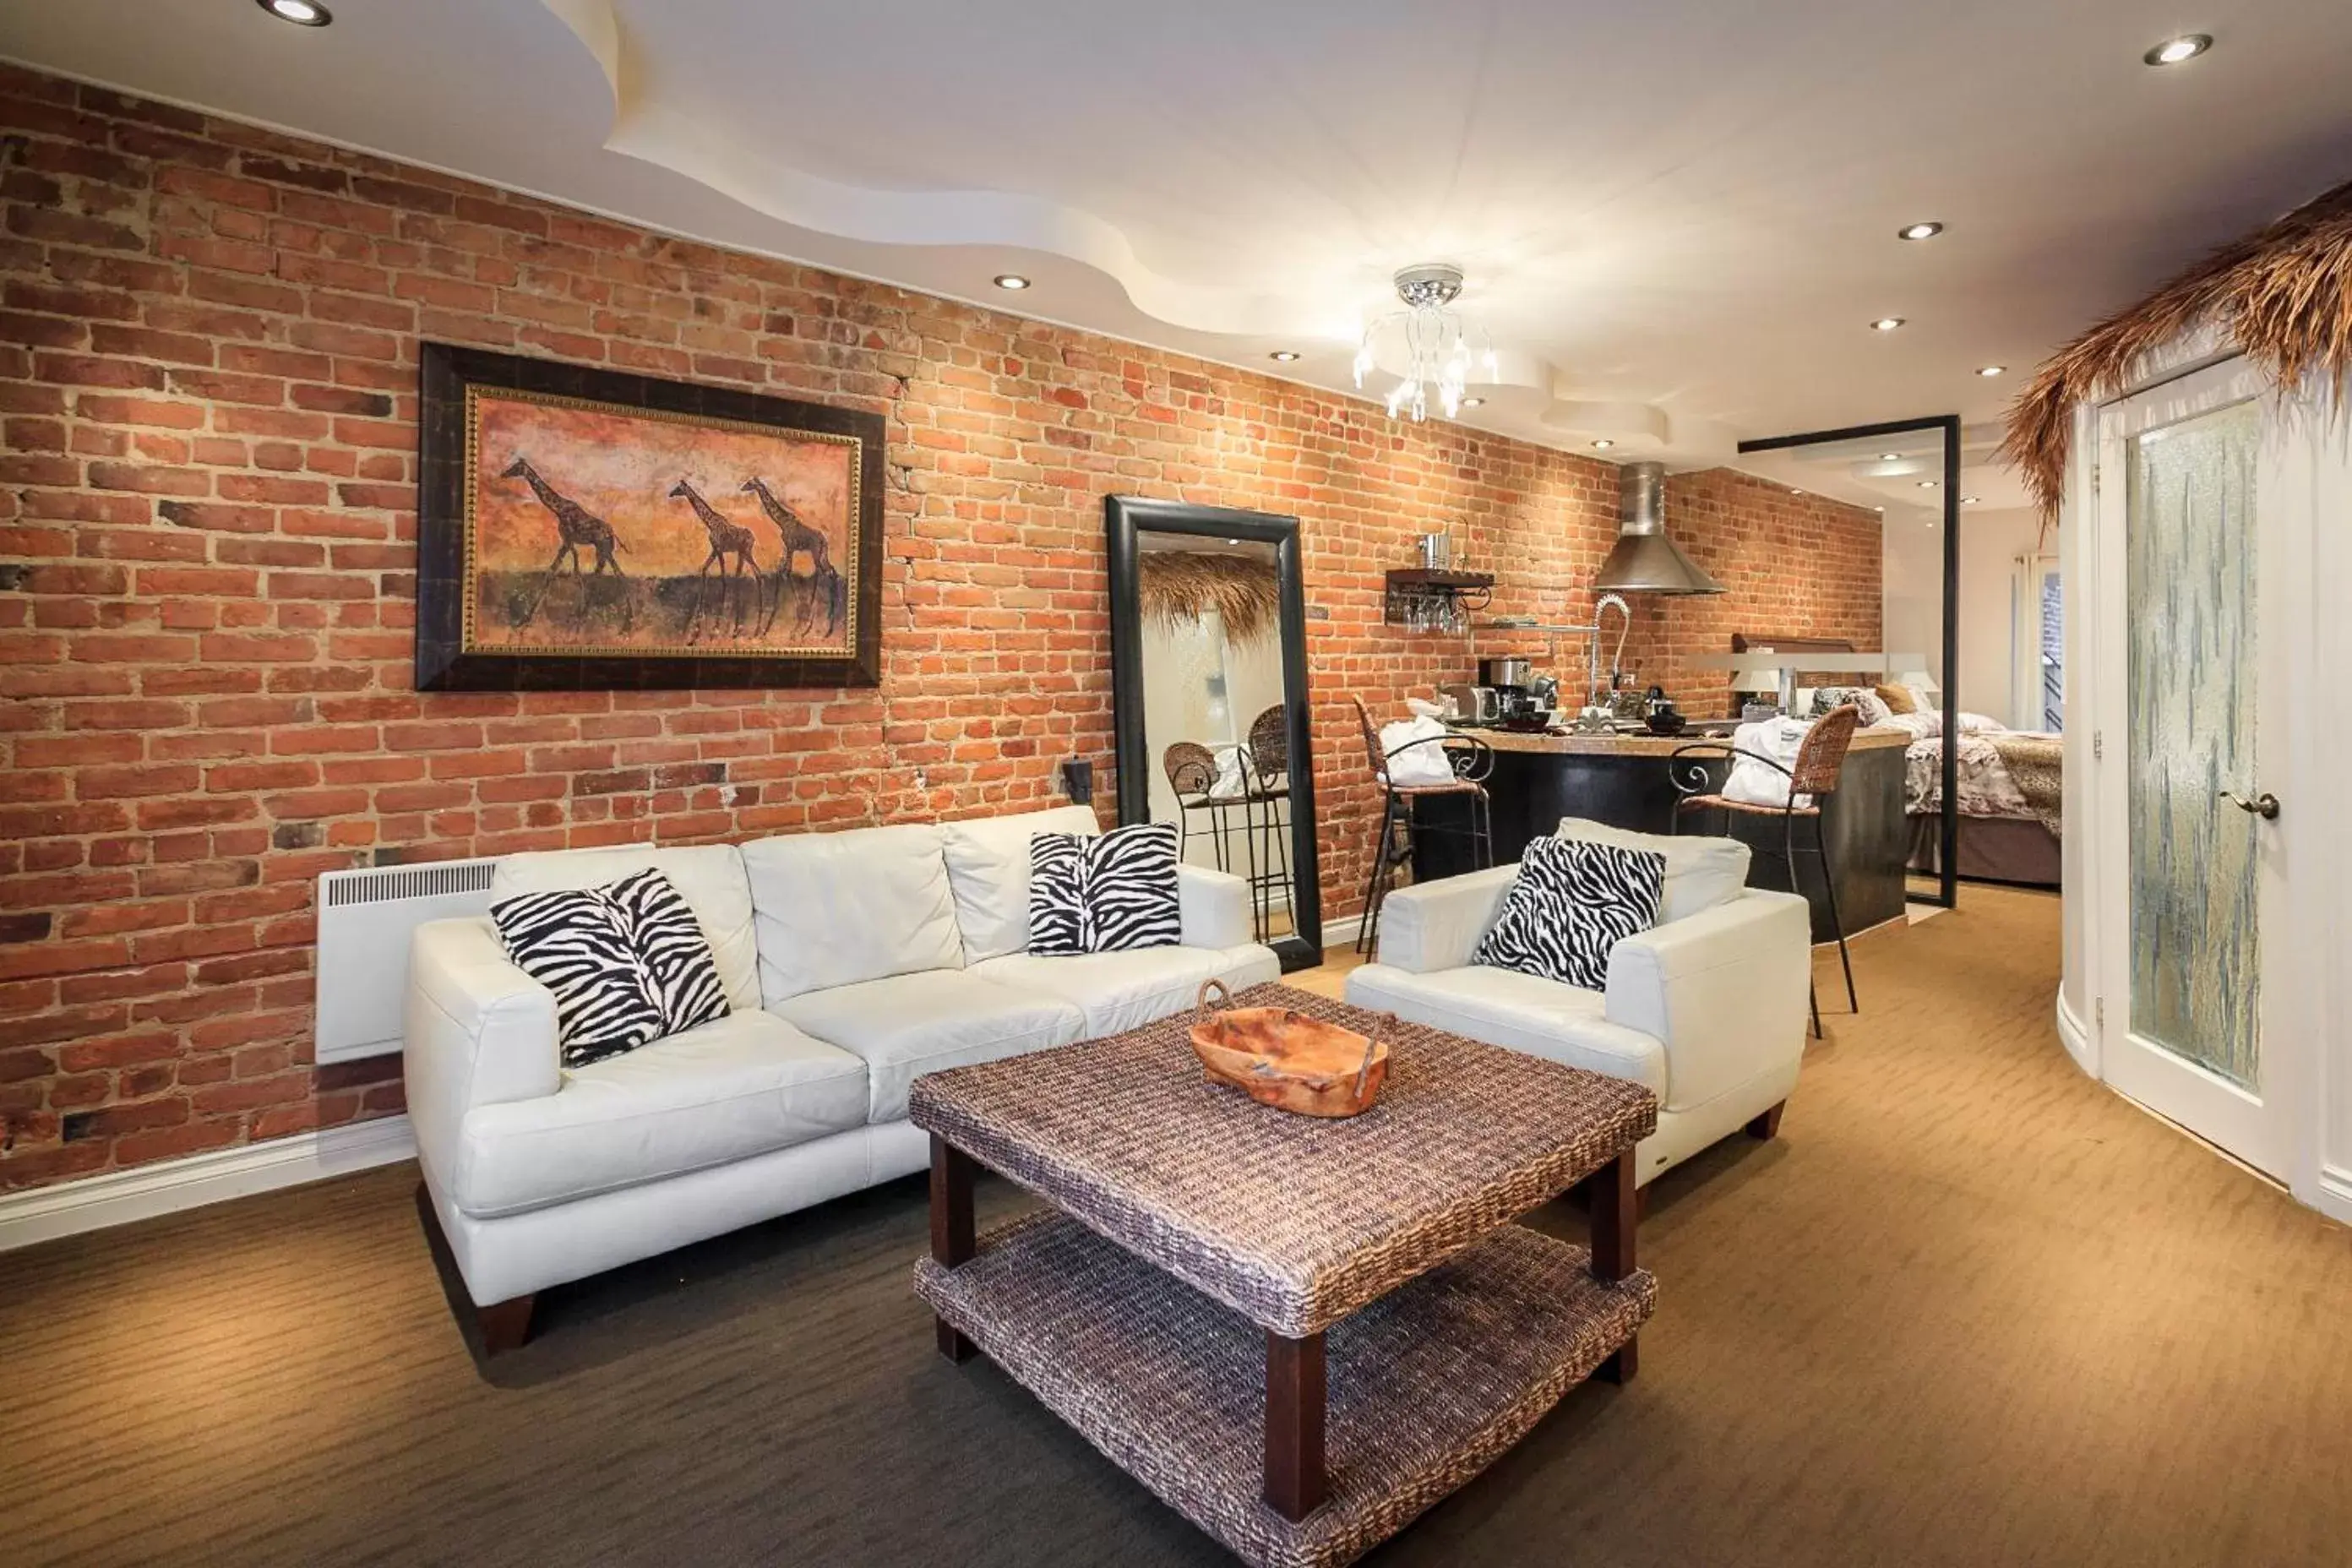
364,920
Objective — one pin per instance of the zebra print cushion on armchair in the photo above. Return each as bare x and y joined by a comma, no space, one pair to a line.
628,964
1104,894
1573,902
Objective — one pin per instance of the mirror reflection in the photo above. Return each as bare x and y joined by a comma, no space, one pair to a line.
1215,728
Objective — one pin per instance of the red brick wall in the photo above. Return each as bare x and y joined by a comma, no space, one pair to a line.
1794,565
208,351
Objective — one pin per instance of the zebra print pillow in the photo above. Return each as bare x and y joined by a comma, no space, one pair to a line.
668,942
577,944
1573,902
1106,894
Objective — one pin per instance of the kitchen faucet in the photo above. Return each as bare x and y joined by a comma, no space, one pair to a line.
1593,692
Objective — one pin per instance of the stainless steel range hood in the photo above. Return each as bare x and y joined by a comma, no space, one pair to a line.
1644,560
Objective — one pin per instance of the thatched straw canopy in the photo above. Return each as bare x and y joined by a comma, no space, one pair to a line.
1183,584
2284,294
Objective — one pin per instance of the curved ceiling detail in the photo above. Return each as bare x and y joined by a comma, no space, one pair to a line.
671,136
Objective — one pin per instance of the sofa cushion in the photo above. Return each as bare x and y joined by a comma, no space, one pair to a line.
668,942
709,877
834,909
1701,872
1111,892
1502,1007
912,1024
577,944
741,1086
1119,991
1572,902
988,871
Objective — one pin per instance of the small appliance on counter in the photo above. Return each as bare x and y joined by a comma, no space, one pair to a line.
1659,713
1470,704
1524,699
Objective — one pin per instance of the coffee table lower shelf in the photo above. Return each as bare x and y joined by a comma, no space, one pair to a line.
1427,1386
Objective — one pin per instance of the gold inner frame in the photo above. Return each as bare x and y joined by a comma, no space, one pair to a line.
852,553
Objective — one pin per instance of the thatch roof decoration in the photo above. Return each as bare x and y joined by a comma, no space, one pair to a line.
2284,294
1177,586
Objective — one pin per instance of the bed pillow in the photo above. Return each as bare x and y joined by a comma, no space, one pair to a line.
1573,902
1111,893
1873,708
1898,698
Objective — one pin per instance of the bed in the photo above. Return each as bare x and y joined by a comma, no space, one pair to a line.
2010,811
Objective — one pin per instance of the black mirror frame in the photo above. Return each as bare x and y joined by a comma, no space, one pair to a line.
1125,518
1948,835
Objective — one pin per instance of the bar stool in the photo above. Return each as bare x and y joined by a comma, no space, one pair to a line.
1192,770
1471,759
1820,760
1265,762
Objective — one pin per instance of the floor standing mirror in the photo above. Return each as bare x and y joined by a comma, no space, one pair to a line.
1208,632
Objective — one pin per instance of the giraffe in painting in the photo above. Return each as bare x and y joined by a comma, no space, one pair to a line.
799,537
575,527
727,540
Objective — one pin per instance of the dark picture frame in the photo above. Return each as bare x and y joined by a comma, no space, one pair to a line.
451,376
1126,517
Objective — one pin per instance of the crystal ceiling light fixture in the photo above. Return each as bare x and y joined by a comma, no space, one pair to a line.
1438,356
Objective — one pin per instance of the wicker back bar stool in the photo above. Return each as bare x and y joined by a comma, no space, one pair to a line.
1471,759
1820,759
1192,770
1266,763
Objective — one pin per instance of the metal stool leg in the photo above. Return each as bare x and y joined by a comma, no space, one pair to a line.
1397,814
1829,885
1374,879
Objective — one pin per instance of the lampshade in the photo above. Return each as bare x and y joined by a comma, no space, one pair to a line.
1918,679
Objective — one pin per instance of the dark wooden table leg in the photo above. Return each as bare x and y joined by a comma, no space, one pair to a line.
952,1227
1615,1214
1294,1424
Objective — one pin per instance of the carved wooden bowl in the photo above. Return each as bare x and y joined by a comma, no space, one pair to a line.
1287,1059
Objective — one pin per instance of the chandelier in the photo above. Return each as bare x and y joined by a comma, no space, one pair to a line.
1436,340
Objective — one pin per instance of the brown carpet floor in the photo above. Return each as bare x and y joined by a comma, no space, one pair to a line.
1969,1308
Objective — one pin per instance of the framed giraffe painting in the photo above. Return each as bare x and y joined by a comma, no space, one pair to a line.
589,530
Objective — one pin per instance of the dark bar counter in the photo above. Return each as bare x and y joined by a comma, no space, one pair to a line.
1621,780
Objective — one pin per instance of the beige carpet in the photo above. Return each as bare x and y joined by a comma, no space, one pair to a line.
1971,1308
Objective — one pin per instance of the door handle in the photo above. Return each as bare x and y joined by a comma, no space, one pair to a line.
2264,806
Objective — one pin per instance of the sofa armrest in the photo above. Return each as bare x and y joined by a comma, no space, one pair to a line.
1436,925
1214,907
1724,990
478,1031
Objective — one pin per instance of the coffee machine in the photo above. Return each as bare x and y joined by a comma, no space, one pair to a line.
1523,699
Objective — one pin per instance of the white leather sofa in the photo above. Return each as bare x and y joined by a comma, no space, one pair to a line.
853,962
1707,1008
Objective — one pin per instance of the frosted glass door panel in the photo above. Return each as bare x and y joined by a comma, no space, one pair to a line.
2190,560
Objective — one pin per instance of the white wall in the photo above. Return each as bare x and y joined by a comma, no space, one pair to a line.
1991,544
1912,584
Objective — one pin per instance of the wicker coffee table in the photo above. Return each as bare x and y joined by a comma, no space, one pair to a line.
1299,1333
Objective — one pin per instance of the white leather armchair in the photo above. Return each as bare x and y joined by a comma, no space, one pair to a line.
1708,1011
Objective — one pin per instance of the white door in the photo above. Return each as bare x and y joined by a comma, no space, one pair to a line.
2194,844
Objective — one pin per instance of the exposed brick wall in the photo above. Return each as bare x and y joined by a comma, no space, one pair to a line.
208,358
1794,565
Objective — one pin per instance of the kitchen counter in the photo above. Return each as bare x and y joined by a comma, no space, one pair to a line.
1645,745
1622,780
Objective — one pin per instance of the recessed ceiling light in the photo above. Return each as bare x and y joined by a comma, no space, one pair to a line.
1795,491
1990,371
1879,508
1919,231
1010,280
1926,484
1885,324
1967,500
1283,356
1474,402
301,13
2172,51
1603,444
1890,457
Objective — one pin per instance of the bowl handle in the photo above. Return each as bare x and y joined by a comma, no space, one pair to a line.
1201,999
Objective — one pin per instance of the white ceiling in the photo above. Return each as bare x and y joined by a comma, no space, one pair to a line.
1678,219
